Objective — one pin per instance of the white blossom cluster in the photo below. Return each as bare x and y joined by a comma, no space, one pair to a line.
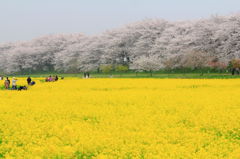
151,44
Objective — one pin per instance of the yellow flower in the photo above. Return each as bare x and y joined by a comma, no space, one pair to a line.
121,118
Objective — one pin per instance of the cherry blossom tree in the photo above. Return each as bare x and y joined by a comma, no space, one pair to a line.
172,44
146,63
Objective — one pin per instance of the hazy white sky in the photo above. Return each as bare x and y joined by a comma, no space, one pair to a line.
27,19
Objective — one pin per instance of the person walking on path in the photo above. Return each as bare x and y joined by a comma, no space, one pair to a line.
14,83
29,80
88,75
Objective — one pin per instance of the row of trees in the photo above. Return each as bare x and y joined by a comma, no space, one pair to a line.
146,45
150,65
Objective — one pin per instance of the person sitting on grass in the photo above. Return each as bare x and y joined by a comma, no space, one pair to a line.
32,83
56,78
7,83
50,79
14,83
22,88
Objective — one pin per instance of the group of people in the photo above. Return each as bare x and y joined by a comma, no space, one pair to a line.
30,82
86,75
7,84
51,79
12,84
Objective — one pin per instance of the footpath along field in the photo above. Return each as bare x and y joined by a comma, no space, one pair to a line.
122,118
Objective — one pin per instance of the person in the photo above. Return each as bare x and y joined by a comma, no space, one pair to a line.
7,83
22,88
32,83
50,79
88,75
56,78
29,80
14,83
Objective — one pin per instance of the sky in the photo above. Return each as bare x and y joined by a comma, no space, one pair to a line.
28,19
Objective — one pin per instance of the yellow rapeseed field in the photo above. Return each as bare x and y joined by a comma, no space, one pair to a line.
122,118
